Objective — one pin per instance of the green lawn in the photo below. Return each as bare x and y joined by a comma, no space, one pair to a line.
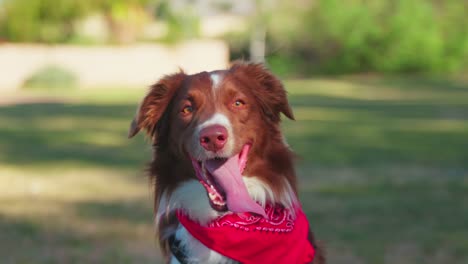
383,169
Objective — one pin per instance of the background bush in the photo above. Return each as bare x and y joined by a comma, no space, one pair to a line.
303,37
48,21
53,21
51,77
336,36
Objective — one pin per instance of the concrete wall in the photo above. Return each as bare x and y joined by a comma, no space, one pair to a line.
107,66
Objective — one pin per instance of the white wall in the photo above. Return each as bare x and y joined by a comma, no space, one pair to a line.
107,66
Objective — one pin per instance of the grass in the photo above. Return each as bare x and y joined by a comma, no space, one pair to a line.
383,172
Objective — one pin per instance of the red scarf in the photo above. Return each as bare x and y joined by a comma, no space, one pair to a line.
252,239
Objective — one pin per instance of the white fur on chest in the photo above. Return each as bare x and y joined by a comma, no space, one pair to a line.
192,198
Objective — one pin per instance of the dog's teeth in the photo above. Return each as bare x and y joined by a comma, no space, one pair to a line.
218,203
212,196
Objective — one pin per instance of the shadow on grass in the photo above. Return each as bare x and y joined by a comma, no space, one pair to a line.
83,134
388,109
378,217
337,131
331,130
33,241
421,83
133,211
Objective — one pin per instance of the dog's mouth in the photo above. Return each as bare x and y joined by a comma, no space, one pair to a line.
222,179
216,194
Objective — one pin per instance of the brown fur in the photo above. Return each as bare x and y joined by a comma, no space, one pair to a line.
258,123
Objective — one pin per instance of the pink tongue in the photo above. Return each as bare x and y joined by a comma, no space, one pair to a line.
228,175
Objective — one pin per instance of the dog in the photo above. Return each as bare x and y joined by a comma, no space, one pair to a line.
225,189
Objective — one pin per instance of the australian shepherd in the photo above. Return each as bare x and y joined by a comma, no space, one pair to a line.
224,180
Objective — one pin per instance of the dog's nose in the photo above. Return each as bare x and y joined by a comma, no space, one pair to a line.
213,138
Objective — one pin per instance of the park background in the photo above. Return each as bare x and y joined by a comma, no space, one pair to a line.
379,90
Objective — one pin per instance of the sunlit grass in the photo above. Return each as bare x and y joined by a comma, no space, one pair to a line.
64,210
383,166
381,89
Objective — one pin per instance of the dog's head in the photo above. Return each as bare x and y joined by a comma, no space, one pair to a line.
224,124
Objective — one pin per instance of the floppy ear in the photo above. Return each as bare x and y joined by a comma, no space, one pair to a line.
268,90
154,105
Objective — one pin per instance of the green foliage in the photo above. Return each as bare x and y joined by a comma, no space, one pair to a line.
52,21
286,66
378,36
182,27
48,21
51,77
238,45
182,24
125,18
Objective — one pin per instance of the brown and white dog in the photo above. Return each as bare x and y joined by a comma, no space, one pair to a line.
218,150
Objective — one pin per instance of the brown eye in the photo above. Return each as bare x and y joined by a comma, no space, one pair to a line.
238,103
188,109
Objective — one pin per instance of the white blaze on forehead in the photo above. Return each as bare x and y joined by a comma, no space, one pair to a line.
216,119
216,79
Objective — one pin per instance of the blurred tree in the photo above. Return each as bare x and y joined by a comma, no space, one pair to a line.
125,18
297,36
40,20
52,21
333,36
183,23
258,30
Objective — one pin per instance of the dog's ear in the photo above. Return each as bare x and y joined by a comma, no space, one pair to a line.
268,90
154,105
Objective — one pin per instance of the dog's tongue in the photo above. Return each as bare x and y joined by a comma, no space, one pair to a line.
227,174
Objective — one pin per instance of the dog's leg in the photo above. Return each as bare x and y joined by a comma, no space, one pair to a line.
196,252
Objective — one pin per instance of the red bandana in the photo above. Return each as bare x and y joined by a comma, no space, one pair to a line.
252,239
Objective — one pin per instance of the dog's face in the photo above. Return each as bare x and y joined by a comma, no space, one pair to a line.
220,122
212,117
